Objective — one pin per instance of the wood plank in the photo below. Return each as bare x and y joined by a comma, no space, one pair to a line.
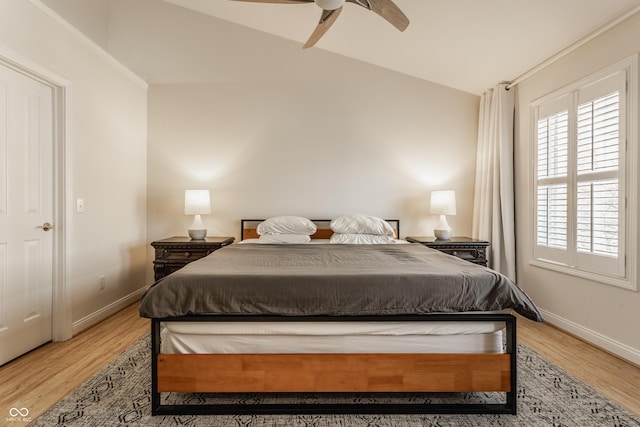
333,372
321,233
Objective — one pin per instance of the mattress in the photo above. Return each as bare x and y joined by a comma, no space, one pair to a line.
331,337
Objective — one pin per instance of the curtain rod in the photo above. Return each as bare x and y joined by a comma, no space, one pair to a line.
564,52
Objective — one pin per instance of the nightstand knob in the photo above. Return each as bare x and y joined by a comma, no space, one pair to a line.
454,253
187,254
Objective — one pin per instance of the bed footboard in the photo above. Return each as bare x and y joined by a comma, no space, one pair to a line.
335,373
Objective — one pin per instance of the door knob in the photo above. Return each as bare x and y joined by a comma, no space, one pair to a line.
46,226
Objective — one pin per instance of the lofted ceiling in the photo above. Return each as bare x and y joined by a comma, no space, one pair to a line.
470,45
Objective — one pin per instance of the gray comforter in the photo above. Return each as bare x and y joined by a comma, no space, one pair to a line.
333,280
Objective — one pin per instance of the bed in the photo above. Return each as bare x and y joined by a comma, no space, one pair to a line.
328,320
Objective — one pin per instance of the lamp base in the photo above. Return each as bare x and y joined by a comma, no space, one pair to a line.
443,234
443,231
197,234
197,231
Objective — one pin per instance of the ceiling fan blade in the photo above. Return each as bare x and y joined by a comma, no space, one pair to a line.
326,21
278,1
386,9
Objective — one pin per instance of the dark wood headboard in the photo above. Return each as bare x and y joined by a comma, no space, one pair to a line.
248,228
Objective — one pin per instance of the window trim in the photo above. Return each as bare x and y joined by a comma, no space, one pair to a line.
631,165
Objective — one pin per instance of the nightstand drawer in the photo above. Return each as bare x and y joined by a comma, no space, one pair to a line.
465,254
187,255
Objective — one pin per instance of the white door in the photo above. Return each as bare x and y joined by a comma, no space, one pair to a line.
26,204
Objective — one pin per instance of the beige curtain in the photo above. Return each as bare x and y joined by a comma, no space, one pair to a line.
493,208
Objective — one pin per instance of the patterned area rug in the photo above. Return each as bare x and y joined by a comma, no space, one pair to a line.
119,395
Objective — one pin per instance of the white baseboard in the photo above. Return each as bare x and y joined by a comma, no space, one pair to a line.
619,349
103,313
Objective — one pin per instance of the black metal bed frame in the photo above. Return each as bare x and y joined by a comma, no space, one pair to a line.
508,407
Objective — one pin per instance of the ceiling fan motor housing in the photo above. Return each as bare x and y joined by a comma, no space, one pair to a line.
329,4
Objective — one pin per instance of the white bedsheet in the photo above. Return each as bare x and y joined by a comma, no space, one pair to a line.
334,328
332,337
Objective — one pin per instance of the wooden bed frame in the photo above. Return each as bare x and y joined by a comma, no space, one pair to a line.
334,373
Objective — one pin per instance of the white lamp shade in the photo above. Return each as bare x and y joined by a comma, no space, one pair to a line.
329,4
197,202
443,202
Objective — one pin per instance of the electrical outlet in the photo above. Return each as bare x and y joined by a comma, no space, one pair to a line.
102,281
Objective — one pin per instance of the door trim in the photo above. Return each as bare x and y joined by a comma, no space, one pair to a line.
61,87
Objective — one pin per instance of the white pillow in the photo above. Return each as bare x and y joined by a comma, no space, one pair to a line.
286,225
361,224
361,239
284,238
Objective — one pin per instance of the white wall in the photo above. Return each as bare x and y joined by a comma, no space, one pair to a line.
107,134
603,314
272,129
377,146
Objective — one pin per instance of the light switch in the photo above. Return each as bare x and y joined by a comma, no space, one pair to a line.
79,205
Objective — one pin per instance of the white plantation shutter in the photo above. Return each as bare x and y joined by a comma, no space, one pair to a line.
579,149
552,155
598,160
598,134
553,145
598,226
552,180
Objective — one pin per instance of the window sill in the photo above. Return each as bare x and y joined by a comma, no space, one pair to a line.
618,282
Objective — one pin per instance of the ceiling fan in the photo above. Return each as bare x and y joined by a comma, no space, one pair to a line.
331,10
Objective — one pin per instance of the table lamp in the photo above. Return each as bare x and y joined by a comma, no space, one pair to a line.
197,202
443,203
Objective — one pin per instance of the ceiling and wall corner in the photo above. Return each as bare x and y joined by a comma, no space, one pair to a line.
89,17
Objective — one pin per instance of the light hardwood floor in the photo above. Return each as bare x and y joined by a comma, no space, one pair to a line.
613,377
40,378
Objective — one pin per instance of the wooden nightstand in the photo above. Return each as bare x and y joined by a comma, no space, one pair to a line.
465,248
175,252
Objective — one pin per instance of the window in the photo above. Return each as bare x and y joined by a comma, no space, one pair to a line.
581,174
